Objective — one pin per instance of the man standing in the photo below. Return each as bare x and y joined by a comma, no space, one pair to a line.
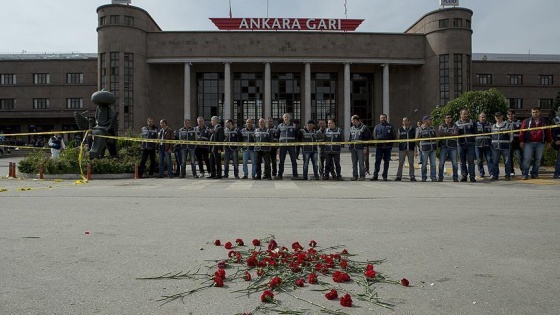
321,133
383,131
165,148
556,144
150,131
533,142
448,147
332,151
358,132
501,143
232,135
248,134
309,135
406,149
262,150
201,151
287,133
187,133
515,148
466,128
428,147
216,150
273,150
482,145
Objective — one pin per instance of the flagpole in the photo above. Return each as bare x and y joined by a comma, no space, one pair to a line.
230,9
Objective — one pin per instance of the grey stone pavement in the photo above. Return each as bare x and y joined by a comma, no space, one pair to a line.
467,248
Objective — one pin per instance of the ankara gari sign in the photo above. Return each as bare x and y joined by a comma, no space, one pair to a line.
285,24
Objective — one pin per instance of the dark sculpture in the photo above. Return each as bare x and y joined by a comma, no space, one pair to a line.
107,124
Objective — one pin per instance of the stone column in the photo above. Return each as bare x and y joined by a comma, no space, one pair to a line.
267,91
386,91
227,92
307,94
187,92
347,113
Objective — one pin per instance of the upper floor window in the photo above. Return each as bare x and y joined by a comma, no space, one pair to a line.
41,78
102,20
74,103
7,79
545,103
7,104
515,103
41,103
545,79
484,78
458,22
74,78
468,23
444,23
128,20
515,79
114,19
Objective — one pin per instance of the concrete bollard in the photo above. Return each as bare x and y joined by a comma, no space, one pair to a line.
41,172
88,174
136,174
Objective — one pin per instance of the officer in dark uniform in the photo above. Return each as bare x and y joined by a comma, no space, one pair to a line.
187,133
501,145
262,150
248,135
309,135
466,128
515,147
217,135
332,152
273,150
428,146
287,133
482,145
383,131
202,151
448,147
406,149
232,135
358,132
150,131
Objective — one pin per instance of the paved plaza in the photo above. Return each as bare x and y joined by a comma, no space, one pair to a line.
467,248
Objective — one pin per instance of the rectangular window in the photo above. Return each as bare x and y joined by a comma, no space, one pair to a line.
515,79
248,96
103,70
74,103
468,23
458,22
210,94
443,79
458,74
7,79
286,94
114,64
484,79
545,79
102,20
444,23
324,96
7,104
128,91
74,78
128,20
41,78
362,97
41,103
114,19
469,60
545,103
515,103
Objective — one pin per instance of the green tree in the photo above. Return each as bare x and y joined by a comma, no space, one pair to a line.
489,101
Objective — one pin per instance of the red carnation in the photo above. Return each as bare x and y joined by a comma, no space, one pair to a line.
344,252
331,295
256,242
221,273
239,242
272,245
297,246
343,264
222,264
369,267
339,276
275,282
346,300
217,243
312,278
218,282
404,282
312,243
267,296
228,245
370,274
300,282
247,276
260,272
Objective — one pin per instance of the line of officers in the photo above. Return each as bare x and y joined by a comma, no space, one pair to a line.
325,158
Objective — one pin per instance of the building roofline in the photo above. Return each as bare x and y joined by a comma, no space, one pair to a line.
504,57
47,56
436,11
132,7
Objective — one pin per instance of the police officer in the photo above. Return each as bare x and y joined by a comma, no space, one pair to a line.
383,131
202,151
466,128
407,149
150,131
482,145
262,150
515,148
448,147
358,132
248,135
287,133
309,135
332,151
232,134
187,133
501,145
428,146
217,135
273,150
165,133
